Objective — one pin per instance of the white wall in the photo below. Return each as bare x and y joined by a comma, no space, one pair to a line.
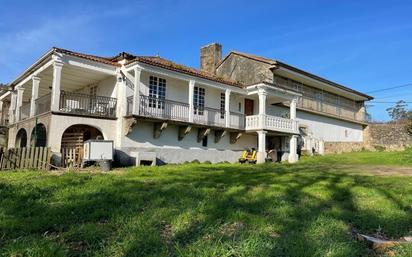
59,123
106,87
178,90
141,138
322,127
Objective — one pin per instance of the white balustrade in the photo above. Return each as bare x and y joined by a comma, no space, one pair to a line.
268,122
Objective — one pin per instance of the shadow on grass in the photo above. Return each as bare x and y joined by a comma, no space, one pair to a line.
199,210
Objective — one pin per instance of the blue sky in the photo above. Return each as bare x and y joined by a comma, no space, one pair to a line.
365,45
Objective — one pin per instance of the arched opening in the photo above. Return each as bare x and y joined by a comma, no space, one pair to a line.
74,136
38,136
72,143
21,138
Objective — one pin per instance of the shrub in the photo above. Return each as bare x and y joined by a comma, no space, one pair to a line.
379,148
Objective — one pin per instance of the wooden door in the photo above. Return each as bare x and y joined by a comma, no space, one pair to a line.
249,107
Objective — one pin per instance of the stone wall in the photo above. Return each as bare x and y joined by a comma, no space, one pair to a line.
343,147
376,137
234,68
387,136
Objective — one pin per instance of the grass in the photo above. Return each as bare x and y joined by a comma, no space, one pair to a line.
305,209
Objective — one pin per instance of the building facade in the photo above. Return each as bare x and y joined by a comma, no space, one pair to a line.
150,104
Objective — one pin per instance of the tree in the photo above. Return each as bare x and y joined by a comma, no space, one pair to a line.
398,112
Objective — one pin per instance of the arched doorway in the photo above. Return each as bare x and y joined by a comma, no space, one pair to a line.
21,138
74,136
38,136
72,142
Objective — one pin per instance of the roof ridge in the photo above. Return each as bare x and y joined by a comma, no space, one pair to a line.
171,65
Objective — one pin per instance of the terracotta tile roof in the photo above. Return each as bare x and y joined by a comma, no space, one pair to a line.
105,60
167,64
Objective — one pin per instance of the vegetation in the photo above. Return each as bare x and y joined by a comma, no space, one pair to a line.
306,209
399,111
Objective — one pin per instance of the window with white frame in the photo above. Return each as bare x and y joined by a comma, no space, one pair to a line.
222,105
157,92
199,100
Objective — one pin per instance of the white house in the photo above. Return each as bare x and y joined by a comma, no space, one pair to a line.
150,104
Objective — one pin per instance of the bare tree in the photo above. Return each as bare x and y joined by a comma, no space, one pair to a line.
399,111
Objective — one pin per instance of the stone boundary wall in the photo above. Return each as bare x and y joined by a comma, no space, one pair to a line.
376,137
343,147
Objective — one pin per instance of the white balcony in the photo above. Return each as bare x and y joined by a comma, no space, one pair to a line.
272,123
165,109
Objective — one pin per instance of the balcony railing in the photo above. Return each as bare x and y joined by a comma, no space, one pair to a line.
209,116
237,120
25,111
163,109
172,110
268,122
87,105
43,104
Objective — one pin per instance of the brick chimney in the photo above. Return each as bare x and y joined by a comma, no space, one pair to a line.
210,56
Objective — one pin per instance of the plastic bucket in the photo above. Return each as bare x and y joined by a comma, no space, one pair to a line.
105,165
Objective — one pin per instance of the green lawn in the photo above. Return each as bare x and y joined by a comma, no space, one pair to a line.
305,209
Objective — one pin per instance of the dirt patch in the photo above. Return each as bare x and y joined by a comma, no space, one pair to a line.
379,170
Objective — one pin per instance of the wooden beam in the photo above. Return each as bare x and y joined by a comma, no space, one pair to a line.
158,128
219,134
234,136
183,131
202,133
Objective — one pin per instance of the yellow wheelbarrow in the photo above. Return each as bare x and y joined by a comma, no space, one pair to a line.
248,156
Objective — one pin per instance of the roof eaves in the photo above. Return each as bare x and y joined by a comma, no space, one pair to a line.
105,60
313,76
183,69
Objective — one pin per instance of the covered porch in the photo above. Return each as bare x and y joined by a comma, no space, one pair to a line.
264,123
65,84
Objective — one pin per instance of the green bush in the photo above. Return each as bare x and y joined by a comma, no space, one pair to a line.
379,148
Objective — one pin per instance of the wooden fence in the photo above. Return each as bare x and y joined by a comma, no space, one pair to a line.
25,158
72,157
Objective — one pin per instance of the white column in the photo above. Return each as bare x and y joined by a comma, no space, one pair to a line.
19,102
2,114
262,101
136,93
261,154
121,109
56,84
227,107
321,147
34,95
12,107
293,157
293,109
262,107
191,104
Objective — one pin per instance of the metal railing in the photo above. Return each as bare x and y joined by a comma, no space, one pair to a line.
178,111
163,109
87,105
322,101
237,120
42,104
24,111
209,116
268,122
